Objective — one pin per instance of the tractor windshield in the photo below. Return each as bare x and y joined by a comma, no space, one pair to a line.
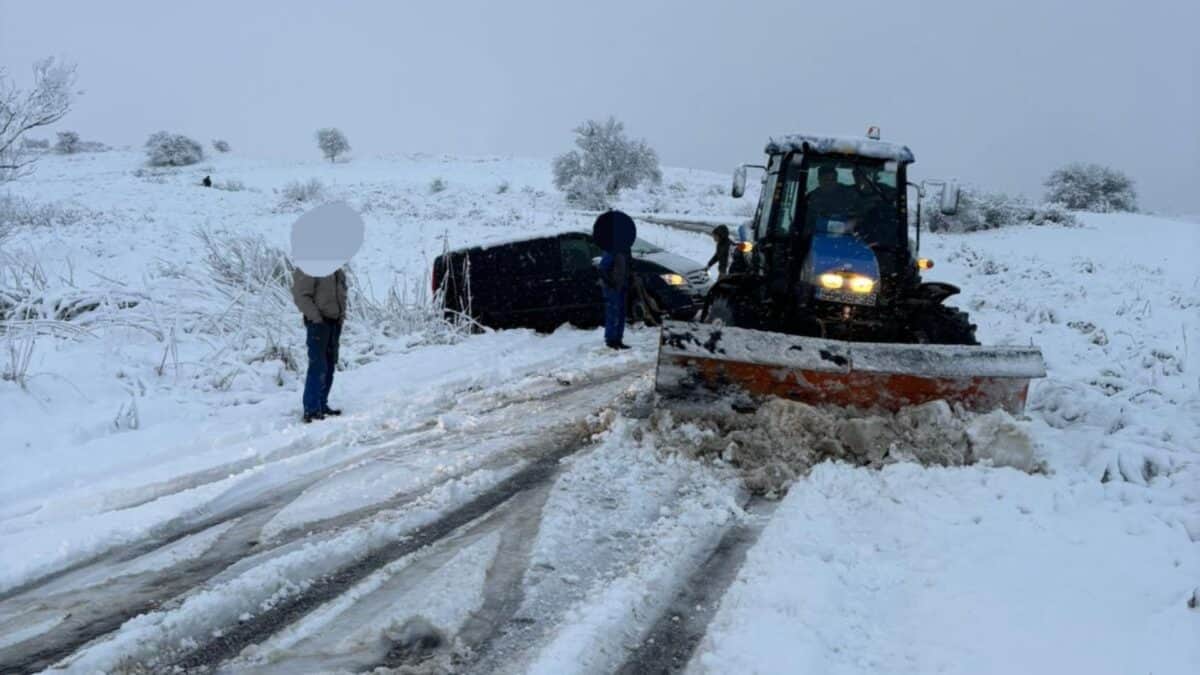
837,195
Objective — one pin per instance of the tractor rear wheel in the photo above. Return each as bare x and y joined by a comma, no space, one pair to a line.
942,325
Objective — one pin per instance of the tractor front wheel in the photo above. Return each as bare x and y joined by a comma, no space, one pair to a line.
942,325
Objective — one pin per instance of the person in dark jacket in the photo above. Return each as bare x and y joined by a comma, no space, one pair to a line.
322,301
207,182
720,235
615,232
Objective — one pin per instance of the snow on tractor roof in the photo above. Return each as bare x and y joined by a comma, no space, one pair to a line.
845,145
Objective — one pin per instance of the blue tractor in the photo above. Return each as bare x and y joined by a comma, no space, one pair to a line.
830,305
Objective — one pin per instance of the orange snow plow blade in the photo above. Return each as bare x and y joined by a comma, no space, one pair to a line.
708,360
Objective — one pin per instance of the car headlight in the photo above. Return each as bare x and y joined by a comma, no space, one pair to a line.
861,284
831,281
674,279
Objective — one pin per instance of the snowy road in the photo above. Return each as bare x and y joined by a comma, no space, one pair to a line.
391,555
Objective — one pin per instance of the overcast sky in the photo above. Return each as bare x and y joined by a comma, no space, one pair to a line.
997,93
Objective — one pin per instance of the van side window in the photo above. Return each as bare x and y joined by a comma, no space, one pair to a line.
539,256
576,254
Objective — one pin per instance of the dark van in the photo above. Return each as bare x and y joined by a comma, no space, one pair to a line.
542,282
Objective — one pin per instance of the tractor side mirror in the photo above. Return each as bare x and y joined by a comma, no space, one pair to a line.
950,194
739,182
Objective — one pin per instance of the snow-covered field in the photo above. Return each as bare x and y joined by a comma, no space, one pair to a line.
503,502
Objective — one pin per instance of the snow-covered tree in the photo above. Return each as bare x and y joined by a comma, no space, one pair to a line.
588,192
1091,187
48,101
332,143
606,161
167,149
68,143
35,143
220,145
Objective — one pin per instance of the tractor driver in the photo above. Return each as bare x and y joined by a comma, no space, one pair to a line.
831,201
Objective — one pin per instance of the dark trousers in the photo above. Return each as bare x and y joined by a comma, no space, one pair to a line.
322,341
614,315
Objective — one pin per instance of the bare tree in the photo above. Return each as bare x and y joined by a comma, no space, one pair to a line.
332,142
47,102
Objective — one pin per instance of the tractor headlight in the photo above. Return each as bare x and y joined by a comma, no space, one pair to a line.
831,281
860,284
674,279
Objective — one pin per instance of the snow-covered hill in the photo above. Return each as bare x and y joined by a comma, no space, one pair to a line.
155,444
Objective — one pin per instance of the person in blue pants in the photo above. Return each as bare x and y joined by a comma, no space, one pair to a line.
322,301
614,268
615,232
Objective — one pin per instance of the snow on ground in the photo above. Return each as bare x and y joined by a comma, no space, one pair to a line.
140,421
127,414
1090,568
959,570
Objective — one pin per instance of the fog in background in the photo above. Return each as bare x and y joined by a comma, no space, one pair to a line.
995,93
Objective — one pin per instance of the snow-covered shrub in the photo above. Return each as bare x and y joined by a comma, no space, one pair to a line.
93,146
220,145
503,187
437,185
17,212
605,160
17,354
406,308
588,192
67,143
250,279
298,192
35,143
1091,187
248,262
979,210
167,149
157,175
231,185
332,143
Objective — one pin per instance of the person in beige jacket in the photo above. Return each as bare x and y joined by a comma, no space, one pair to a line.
322,301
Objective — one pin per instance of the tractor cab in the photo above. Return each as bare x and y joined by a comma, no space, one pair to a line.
830,207
832,309
831,237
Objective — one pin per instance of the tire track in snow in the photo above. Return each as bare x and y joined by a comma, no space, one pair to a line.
246,633
669,645
125,598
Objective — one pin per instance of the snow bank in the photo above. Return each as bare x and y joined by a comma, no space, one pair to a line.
782,440
958,570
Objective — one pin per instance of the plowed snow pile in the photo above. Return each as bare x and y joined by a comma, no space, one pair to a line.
782,440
